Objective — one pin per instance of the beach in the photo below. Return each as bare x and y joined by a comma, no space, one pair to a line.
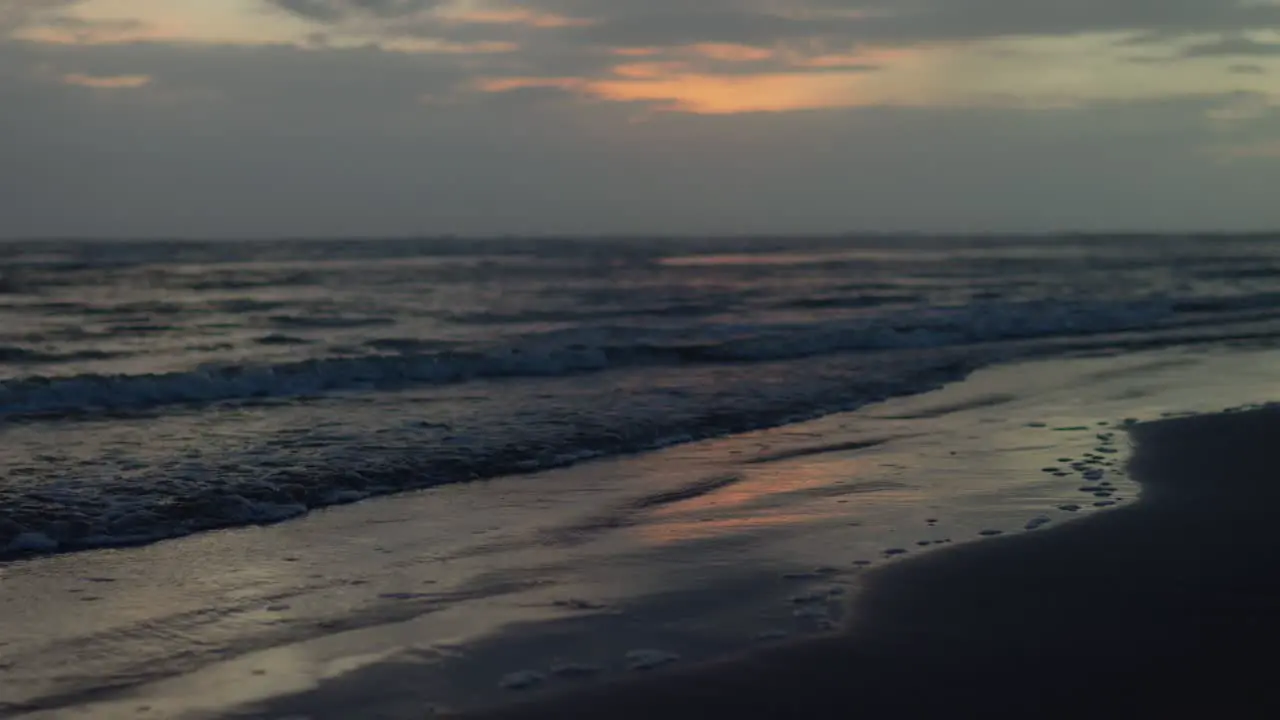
522,359
1167,606
948,551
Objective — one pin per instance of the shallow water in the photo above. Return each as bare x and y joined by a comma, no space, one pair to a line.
150,390
697,550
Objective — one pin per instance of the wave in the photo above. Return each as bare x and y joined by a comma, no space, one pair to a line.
568,352
20,355
270,480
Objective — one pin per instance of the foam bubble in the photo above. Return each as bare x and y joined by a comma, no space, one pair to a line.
522,680
649,659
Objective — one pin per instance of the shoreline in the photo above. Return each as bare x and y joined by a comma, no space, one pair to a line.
1168,604
709,550
286,499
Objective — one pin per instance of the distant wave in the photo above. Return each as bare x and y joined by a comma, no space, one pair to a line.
20,355
575,351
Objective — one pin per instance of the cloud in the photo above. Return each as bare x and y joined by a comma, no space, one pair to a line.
107,82
17,14
271,141
343,117
906,22
329,11
1236,46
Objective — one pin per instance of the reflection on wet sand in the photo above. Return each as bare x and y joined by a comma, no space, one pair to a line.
784,496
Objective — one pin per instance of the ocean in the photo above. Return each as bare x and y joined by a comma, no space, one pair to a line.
150,390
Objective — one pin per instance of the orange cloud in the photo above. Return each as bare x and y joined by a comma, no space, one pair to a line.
649,70
515,16
98,33
729,52
706,94
107,82
445,47
636,51
507,84
728,94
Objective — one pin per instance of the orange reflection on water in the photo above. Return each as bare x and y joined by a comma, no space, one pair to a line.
778,258
678,531
788,494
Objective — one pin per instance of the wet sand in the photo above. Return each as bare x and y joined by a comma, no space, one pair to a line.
1168,605
446,599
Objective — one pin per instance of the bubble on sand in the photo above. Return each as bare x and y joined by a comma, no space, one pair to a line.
522,680
649,659
811,612
1069,508
402,596
575,670
896,551
809,598
1104,503
32,542
1038,522
579,604
862,563
991,533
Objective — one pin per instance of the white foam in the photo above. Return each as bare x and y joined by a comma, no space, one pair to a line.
522,680
33,542
649,659
576,351
575,670
811,612
1038,522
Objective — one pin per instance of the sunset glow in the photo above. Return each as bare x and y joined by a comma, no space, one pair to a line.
107,82
513,16
661,109
727,94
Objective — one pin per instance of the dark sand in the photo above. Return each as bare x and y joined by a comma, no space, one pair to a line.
1171,605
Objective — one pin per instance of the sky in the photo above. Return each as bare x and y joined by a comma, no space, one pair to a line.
363,118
